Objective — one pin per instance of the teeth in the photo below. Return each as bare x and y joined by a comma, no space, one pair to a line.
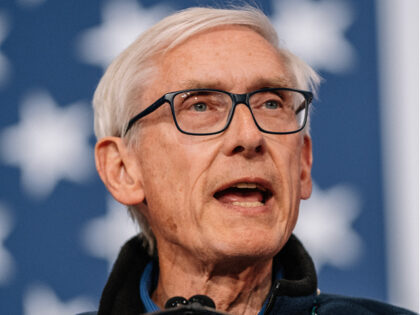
245,185
247,204
249,186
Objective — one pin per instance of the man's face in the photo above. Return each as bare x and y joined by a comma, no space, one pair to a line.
193,184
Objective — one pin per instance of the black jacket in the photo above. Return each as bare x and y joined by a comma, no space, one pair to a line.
295,293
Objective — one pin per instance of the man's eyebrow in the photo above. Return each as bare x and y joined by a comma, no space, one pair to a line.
258,84
196,84
273,82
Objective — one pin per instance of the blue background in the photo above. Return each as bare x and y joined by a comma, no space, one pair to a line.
45,237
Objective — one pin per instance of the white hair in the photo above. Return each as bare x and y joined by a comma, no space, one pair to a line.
117,96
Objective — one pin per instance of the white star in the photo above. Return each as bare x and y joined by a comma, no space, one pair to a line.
41,300
123,21
103,237
49,144
4,63
6,260
315,31
324,226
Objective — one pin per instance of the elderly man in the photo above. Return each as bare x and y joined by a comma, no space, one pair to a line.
202,127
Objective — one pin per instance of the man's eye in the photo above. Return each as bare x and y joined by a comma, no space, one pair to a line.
271,105
199,107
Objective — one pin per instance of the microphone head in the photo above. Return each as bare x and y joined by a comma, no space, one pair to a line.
203,300
176,301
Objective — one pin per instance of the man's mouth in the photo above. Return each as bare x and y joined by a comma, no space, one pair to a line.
244,194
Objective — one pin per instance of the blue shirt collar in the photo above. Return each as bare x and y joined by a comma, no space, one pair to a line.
147,285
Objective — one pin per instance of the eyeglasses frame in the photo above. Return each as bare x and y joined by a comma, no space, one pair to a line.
236,99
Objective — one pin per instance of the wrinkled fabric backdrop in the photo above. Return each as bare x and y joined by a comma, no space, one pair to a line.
59,228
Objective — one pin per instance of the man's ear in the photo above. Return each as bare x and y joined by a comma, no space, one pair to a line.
305,168
119,170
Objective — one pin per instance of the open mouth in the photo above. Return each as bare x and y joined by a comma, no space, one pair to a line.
244,194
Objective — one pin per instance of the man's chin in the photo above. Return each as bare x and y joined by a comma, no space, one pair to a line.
247,247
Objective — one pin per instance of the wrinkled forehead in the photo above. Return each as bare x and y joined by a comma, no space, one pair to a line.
232,58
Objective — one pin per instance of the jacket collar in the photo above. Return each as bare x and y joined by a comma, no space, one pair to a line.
121,293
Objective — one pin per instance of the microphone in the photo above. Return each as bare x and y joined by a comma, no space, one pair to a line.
196,300
176,301
195,305
202,300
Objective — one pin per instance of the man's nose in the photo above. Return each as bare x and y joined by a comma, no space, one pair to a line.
243,136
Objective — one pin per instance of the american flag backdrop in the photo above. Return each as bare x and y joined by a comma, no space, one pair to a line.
60,230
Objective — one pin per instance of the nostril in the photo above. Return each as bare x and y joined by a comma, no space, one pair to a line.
258,149
238,149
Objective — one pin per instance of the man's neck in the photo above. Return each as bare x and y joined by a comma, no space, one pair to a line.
241,289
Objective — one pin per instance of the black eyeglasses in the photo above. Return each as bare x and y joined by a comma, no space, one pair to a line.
204,112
